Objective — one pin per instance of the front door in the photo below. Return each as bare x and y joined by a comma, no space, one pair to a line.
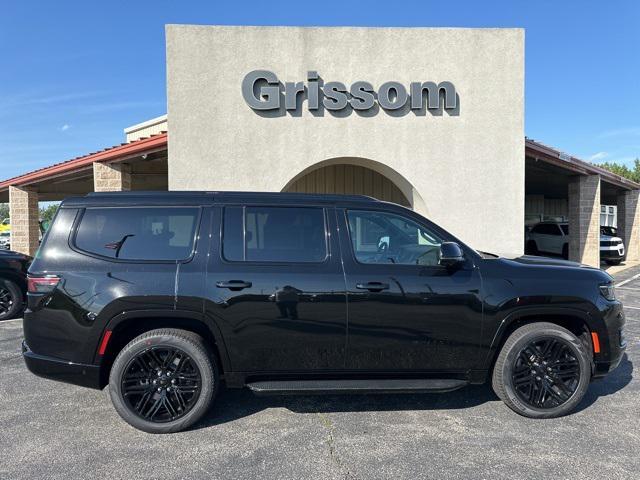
276,288
406,312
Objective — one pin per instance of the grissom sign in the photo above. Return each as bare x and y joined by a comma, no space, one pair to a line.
262,90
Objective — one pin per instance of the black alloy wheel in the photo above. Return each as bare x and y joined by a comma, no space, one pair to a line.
161,384
546,373
164,380
543,370
10,299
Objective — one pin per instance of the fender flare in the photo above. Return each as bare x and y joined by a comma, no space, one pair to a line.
132,315
527,311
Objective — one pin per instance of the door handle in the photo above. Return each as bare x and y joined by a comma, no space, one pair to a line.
234,285
373,286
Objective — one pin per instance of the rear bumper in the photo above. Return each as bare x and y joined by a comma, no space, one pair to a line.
61,370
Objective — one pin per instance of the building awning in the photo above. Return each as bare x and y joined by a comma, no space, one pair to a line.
118,153
550,155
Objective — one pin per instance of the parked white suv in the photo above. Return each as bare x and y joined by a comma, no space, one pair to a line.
5,240
553,237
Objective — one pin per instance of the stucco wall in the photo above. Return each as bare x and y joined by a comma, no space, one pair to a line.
468,168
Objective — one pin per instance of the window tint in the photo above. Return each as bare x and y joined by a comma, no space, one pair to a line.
565,229
546,229
274,234
379,237
148,233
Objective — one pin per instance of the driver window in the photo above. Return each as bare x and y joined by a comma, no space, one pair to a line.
379,237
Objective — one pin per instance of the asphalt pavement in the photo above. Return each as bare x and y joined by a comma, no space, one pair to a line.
51,430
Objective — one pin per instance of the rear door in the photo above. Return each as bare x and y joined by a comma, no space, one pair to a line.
275,286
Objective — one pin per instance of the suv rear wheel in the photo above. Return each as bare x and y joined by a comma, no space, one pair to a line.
163,381
543,371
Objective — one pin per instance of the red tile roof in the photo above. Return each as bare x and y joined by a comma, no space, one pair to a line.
117,153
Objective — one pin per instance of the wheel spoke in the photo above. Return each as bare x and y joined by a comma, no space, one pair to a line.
154,408
170,408
142,403
153,354
169,359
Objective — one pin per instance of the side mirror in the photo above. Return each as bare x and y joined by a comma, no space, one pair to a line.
451,254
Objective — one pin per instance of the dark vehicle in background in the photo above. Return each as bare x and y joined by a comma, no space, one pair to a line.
13,283
163,296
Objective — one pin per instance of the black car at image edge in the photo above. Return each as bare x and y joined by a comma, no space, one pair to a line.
166,296
13,283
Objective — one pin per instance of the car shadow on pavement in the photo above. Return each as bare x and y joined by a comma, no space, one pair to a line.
234,404
612,383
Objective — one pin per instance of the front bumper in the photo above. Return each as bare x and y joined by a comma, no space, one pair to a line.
612,253
612,340
61,370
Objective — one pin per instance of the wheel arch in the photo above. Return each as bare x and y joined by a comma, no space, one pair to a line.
576,321
128,325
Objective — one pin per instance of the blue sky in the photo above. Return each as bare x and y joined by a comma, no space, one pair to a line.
74,74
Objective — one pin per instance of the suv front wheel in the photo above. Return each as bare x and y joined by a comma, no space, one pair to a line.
163,381
543,371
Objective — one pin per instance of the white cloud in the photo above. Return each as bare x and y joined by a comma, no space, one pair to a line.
598,156
65,127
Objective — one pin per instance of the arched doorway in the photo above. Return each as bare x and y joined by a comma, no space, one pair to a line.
338,176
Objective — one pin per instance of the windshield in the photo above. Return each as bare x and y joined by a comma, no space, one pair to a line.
610,231
565,229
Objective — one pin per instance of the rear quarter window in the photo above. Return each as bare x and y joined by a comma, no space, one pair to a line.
138,233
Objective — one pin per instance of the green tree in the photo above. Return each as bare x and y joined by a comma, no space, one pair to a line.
623,170
4,211
47,213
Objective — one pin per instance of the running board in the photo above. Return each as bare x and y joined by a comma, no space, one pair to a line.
306,387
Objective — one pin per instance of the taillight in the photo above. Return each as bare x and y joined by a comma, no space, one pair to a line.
42,284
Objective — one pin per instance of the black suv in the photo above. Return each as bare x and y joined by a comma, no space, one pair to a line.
165,296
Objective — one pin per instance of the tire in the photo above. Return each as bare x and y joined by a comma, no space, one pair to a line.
10,299
565,251
532,248
613,262
177,405
512,363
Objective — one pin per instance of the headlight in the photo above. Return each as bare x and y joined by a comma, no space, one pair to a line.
608,291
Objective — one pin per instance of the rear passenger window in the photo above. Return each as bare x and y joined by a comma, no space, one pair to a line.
274,234
149,233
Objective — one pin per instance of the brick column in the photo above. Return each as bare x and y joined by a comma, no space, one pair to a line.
112,177
24,215
584,219
629,223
